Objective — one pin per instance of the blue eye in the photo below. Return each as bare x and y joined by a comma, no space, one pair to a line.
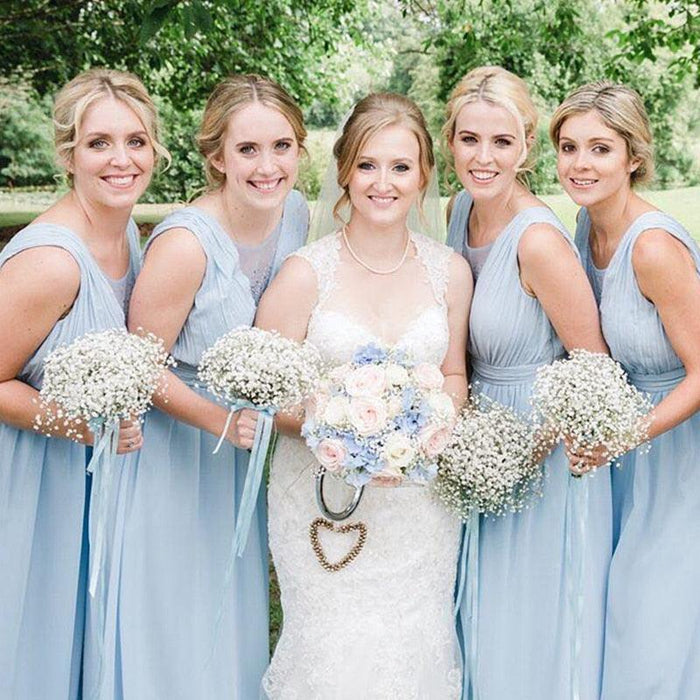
283,145
246,150
468,139
504,143
401,168
365,165
98,143
136,142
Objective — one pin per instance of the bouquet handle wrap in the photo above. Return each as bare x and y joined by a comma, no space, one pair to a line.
469,586
264,438
101,466
575,543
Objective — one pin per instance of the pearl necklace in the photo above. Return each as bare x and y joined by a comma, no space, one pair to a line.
369,267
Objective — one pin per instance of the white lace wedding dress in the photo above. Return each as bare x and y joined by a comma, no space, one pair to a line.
382,627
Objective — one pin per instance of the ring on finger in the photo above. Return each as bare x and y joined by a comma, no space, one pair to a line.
130,443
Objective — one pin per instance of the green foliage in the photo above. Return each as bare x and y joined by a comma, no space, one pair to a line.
184,179
26,148
181,48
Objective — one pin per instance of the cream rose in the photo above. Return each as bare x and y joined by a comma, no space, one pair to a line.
335,412
388,477
434,439
368,380
428,376
396,375
442,404
367,414
398,452
331,454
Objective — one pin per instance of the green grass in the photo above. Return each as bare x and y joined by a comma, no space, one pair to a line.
17,209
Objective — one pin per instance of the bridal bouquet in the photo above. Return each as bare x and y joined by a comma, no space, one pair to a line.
261,370
588,399
380,417
489,465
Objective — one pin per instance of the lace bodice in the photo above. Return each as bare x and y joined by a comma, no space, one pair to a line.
337,325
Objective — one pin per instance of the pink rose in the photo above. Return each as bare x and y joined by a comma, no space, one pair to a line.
331,454
367,414
434,439
428,376
368,380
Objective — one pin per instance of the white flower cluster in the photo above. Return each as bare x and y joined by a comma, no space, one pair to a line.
588,399
261,367
380,418
108,375
489,466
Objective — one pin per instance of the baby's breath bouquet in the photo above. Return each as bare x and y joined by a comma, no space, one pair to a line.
489,466
264,371
587,399
93,383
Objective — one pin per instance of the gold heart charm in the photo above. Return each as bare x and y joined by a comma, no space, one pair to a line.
318,523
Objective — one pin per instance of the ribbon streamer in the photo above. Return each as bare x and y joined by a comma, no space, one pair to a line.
101,466
575,543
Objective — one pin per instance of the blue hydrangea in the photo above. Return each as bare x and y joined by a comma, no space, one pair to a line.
369,355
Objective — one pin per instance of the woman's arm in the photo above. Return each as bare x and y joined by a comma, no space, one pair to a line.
459,299
163,296
43,283
551,272
667,277
286,307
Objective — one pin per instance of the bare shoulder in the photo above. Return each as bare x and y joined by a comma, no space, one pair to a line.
297,273
460,272
658,251
43,273
541,242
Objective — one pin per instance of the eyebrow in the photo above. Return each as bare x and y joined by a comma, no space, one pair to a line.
402,159
474,133
590,140
104,134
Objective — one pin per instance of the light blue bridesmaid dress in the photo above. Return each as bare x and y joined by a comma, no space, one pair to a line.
524,646
170,637
652,635
44,495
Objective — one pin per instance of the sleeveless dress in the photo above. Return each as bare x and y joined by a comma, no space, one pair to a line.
176,633
44,496
525,632
652,634
383,626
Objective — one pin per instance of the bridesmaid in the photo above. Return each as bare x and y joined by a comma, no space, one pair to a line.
645,268
67,273
531,303
205,268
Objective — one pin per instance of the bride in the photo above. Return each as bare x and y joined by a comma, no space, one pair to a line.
382,626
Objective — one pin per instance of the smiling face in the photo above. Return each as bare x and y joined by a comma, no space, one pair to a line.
386,179
592,160
487,147
260,157
112,161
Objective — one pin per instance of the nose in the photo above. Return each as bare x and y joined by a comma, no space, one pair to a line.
120,156
383,180
266,164
484,154
581,160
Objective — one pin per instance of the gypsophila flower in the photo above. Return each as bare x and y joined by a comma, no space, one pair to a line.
379,417
108,375
489,467
588,399
261,367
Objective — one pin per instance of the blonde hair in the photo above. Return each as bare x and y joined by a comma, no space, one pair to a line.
499,87
369,116
228,97
622,110
75,97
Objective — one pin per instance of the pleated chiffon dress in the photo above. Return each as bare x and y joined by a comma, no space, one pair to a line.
524,646
44,503
178,633
652,636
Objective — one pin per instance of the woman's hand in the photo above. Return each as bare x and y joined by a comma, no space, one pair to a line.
583,461
130,437
241,432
